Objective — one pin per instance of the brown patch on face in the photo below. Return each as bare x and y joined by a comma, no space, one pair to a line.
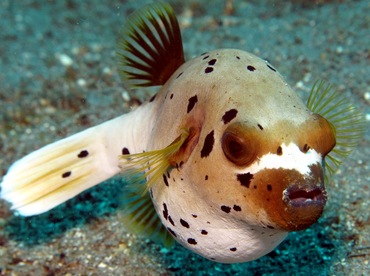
243,144
280,198
318,135
294,202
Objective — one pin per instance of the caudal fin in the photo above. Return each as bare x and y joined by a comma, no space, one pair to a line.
57,172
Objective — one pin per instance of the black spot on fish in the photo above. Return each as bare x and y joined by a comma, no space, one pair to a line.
204,232
179,75
66,174
83,154
184,223
226,209
237,208
229,115
172,232
208,70
251,68
192,241
237,57
194,216
165,211
212,62
152,98
233,249
171,96
165,180
270,227
171,220
207,56
271,68
260,127
206,177
245,179
125,151
279,151
192,101
208,144
269,187
306,148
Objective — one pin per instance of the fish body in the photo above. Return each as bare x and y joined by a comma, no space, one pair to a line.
242,203
232,158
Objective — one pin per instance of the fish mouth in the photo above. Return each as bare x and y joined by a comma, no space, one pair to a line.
304,203
293,201
297,197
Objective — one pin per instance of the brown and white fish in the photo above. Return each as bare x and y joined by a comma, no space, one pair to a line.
225,153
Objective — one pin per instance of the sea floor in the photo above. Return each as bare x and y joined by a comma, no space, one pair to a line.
59,76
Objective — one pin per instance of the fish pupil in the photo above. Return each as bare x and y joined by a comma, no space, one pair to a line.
236,149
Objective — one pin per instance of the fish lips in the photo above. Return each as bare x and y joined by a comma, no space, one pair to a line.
304,197
305,200
292,200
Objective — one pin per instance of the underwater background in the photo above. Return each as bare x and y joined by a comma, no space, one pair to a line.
58,76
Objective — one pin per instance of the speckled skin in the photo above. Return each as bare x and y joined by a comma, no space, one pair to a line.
205,202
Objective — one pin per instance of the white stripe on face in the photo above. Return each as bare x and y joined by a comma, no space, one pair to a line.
292,158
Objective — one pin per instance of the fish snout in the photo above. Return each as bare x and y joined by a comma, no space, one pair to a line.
305,199
292,200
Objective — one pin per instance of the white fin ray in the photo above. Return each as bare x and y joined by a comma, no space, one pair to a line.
42,161
36,184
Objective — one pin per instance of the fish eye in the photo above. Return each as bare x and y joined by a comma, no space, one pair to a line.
237,149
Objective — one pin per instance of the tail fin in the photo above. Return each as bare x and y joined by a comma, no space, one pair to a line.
57,172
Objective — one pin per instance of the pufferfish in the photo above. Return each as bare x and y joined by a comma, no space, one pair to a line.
225,158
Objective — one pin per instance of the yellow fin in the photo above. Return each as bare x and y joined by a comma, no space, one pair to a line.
138,215
348,122
149,48
152,165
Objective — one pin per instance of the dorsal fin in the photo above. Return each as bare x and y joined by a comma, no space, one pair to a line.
149,47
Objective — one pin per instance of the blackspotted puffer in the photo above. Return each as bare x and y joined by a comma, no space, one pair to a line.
225,159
